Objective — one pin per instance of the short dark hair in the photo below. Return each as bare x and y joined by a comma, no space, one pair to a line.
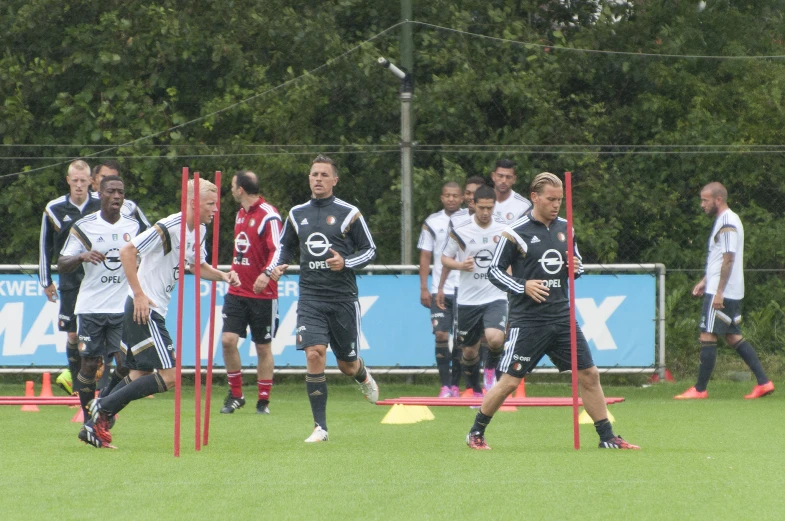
476,180
505,163
484,192
246,180
451,184
324,159
109,163
110,178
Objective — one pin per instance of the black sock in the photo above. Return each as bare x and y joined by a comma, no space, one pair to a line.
316,385
85,386
122,383
480,422
455,377
604,429
114,379
74,360
493,358
471,368
361,373
144,386
747,353
443,362
708,359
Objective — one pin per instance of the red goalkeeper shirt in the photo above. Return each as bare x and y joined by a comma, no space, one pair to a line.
257,234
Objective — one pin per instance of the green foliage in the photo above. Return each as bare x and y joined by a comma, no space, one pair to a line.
77,78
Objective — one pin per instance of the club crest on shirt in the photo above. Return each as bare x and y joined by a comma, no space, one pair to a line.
509,216
561,237
127,237
330,220
496,239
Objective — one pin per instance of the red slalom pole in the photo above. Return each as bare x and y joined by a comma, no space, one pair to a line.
197,315
573,332
180,293
208,389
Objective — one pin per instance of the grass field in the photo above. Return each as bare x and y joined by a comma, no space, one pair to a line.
721,458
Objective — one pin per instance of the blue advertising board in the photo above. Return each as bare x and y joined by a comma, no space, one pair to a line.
616,312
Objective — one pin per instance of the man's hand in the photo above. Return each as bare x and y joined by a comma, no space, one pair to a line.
425,297
260,283
335,262
278,271
440,299
142,305
51,292
717,303
233,279
468,264
699,289
92,256
537,290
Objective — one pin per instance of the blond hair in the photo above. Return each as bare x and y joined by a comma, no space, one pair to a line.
205,187
542,179
79,166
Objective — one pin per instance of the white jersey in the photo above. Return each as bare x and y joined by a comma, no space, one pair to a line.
104,286
433,237
512,208
159,248
470,240
727,236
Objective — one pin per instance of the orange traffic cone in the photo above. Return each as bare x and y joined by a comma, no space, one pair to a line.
29,393
46,387
78,417
520,392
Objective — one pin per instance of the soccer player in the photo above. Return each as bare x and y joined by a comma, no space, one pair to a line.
461,216
146,341
722,289
510,205
333,241
130,208
60,214
536,248
254,303
432,239
482,308
94,242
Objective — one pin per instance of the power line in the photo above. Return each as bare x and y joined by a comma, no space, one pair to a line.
599,51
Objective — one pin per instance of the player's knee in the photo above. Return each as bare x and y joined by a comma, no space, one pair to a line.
73,338
470,353
229,341
496,342
442,336
90,365
263,351
734,340
590,378
314,356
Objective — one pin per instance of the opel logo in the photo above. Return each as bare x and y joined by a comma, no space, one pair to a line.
241,243
317,244
551,261
483,258
112,260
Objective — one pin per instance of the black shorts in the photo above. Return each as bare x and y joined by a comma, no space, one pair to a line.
333,323
527,344
726,321
147,346
442,319
474,320
66,318
261,315
100,334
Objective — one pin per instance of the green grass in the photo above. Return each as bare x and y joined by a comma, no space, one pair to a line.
716,459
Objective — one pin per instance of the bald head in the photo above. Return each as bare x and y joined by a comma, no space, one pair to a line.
716,190
714,199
